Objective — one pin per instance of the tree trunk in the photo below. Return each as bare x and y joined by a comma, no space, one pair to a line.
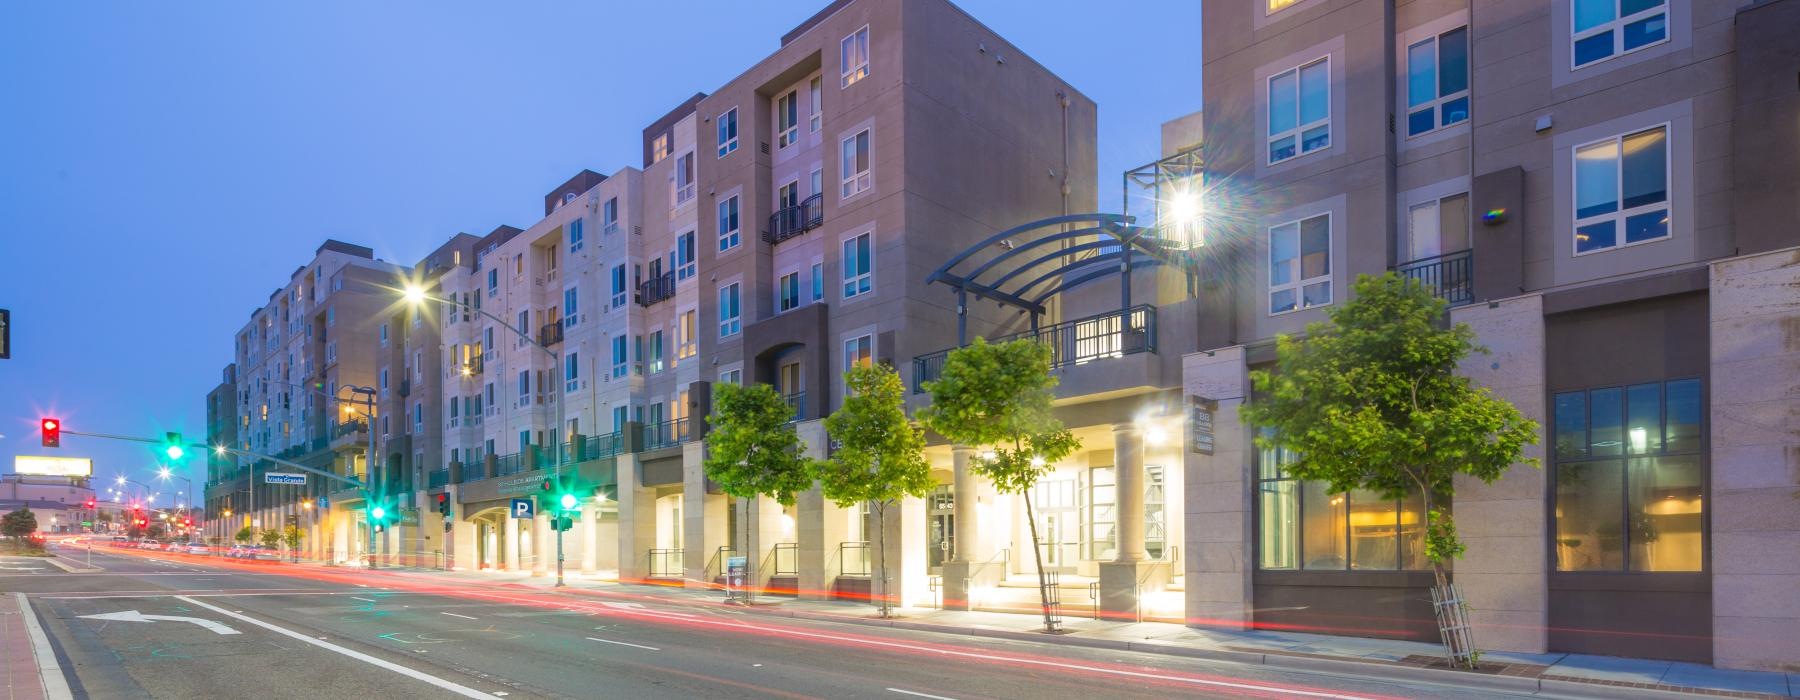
1038,557
881,555
744,527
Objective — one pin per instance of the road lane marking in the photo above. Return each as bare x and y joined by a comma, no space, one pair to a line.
56,687
919,694
465,617
415,674
366,600
623,644
135,616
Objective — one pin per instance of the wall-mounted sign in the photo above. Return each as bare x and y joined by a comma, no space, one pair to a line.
1200,424
53,466
284,478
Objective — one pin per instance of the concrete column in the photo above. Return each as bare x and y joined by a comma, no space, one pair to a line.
511,544
583,537
637,521
1216,494
1120,578
463,547
543,545
820,525
967,543
763,518
704,516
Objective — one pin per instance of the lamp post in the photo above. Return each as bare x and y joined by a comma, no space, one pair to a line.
416,296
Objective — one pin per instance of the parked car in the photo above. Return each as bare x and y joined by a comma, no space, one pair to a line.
198,548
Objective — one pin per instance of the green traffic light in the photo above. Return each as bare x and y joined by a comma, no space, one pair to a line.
174,452
569,501
378,513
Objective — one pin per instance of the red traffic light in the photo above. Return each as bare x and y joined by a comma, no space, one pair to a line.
52,432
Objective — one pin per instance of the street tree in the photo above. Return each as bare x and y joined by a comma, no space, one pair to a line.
292,536
1371,399
879,457
19,524
245,534
998,397
752,451
270,538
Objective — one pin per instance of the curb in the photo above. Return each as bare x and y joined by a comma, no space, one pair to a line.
57,562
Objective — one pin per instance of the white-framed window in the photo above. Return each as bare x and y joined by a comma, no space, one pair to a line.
1602,29
859,352
855,166
1274,6
728,132
575,234
787,292
570,306
859,264
659,148
730,234
787,119
730,315
619,356
1437,227
818,181
1622,190
609,216
330,316
384,335
571,371
524,327
818,281
524,387
685,265
731,376
618,285
1437,82
1300,264
687,336
681,179
656,351
493,282
853,56
1300,110
384,380
815,93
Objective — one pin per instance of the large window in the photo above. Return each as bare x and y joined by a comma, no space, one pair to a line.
609,216
685,264
730,320
859,265
619,357
815,90
687,341
1602,29
681,179
574,234
1437,227
787,119
1300,110
1437,82
859,352
855,166
1301,525
656,351
728,141
853,57
1622,182
618,285
1630,478
1300,264
729,233
570,296
787,292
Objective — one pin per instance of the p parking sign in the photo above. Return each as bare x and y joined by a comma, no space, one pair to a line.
523,508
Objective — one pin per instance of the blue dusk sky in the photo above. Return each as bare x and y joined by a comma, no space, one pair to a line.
165,165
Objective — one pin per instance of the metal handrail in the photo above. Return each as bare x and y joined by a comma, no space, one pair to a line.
1450,276
791,567
798,401
656,289
715,567
788,222
844,568
605,445
659,560
550,334
1076,342
667,433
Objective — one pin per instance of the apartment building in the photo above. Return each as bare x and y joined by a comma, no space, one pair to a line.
1603,190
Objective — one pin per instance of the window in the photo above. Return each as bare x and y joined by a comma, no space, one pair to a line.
815,91
571,372
681,179
1630,476
609,216
1437,227
1100,541
684,256
619,357
787,119
1301,525
659,148
618,285
787,292
1622,182
729,322
859,261
384,379
818,281
330,316
620,415
656,351
859,352
569,306
493,281
1437,82
524,387
787,195
687,342
574,234
853,57
731,376
1275,6
1300,110
1601,29
384,337
727,132
729,231
524,326
856,163
1300,264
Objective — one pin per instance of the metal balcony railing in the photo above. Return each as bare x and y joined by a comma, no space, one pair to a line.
437,479
1071,343
509,464
597,446
787,559
1450,276
550,334
798,401
664,563
656,289
348,428
788,222
665,434
853,559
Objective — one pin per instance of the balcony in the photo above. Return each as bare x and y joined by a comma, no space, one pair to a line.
509,464
405,388
550,334
788,222
656,289
668,433
1450,276
1071,343
798,401
350,427
597,446
437,479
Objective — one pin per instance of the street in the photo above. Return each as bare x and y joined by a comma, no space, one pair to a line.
177,626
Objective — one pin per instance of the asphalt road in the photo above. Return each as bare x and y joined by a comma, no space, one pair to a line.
174,626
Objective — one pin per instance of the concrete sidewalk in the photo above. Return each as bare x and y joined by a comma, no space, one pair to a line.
1555,672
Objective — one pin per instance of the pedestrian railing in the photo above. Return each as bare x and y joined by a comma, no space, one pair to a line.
665,563
853,559
1450,276
1071,343
787,559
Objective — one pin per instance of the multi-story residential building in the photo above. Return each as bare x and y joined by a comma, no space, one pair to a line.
1598,188
221,429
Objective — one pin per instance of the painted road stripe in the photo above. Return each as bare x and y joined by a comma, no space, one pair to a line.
917,694
465,617
457,688
623,644
366,600
49,672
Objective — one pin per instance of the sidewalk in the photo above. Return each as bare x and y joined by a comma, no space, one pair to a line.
1554,672
29,668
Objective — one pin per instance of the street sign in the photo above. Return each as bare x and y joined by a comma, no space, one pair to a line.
284,478
523,508
1200,424
324,503
736,570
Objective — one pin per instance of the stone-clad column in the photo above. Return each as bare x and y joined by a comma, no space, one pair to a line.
968,549
1128,466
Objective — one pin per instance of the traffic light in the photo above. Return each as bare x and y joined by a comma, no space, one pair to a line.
563,523
89,504
568,501
172,445
52,432
443,503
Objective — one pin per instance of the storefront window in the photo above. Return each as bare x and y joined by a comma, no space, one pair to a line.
1301,525
1631,496
1102,543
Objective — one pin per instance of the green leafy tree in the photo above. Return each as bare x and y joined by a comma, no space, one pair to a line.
880,456
292,536
245,535
19,524
1372,400
998,397
270,538
752,451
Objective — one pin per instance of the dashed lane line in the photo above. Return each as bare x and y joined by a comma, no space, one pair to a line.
623,644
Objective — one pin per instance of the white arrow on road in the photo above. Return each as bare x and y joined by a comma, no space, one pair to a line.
135,616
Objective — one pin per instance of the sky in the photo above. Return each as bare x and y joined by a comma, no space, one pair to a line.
164,166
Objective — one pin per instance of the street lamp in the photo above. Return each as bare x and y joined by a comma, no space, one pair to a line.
415,296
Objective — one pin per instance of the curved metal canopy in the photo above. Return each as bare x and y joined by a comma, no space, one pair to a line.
1041,259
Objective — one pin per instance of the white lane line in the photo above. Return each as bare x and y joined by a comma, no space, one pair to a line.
197,594
465,617
919,694
366,600
623,644
457,688
49,672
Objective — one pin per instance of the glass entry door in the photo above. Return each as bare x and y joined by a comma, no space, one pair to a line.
1058,522
941,518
